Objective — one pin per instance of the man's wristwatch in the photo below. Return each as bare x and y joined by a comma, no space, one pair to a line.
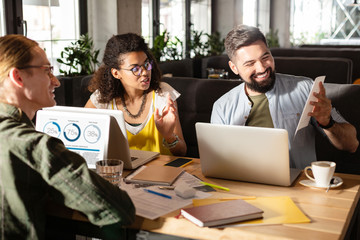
329,125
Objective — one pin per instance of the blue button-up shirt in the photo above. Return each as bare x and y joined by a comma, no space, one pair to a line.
286,102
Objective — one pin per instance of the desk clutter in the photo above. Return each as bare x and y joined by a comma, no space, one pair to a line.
153,201
193,199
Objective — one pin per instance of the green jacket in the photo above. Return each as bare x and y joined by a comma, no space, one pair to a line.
35,167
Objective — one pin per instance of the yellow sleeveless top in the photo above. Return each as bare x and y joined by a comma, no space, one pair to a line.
149,138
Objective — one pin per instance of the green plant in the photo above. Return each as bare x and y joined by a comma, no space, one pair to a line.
302,39
320,35
200,45
166,48
80,58
160,42
272,38
197,46
174,49
215,44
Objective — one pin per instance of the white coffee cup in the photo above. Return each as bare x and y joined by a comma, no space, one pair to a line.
323,171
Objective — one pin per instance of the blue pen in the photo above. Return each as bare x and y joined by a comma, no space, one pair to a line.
157,193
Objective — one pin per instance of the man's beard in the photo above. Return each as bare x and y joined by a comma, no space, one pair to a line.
263,86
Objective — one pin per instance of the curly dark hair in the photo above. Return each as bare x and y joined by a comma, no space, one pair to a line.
110,87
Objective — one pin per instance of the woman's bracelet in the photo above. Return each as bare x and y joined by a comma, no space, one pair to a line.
171,145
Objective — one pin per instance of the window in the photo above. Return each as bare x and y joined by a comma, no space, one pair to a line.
325,22
2,19
172,18
201,15
257,13
54,24
146,21
177,17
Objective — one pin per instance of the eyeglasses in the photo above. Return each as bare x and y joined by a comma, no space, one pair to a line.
137,70
49,68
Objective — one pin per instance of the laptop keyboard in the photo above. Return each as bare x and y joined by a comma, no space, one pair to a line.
133,158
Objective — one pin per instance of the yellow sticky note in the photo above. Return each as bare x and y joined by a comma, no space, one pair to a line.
277,210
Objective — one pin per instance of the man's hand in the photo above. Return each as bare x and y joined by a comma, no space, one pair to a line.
341,135
322,107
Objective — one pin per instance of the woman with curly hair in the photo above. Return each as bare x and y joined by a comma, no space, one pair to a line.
129,80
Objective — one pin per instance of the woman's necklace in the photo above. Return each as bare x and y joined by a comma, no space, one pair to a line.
141,110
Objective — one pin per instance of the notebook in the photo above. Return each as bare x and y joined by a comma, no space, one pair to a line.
251,154
155,175
222,213
118,146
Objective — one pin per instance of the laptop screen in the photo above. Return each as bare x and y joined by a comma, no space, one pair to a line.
95,134
252,154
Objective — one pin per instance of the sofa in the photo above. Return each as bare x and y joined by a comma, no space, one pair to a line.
310,52
337,70
198,95
187,67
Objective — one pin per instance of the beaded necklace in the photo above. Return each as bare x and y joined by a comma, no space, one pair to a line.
141,110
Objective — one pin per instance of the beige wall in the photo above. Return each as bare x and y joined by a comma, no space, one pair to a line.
226,15
110,17
102,22
280,20
129,16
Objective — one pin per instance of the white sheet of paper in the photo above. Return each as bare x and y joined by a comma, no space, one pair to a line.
151,206
305,119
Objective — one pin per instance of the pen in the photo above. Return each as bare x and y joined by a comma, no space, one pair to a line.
157,193
235,198
167,187
215,186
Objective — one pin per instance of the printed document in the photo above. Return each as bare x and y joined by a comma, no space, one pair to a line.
305,119
152,206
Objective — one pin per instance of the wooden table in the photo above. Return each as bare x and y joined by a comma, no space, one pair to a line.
330,212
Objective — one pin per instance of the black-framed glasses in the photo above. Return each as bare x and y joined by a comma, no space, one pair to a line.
137,70
49,68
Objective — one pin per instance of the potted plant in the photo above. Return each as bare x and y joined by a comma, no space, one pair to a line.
166,48
215,44
202,45
272,38
80,59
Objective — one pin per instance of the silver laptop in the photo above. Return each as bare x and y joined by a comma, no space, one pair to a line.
118,146
251,154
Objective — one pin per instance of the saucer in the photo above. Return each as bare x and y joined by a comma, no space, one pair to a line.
309,183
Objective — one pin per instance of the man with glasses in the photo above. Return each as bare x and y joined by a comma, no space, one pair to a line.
35,167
